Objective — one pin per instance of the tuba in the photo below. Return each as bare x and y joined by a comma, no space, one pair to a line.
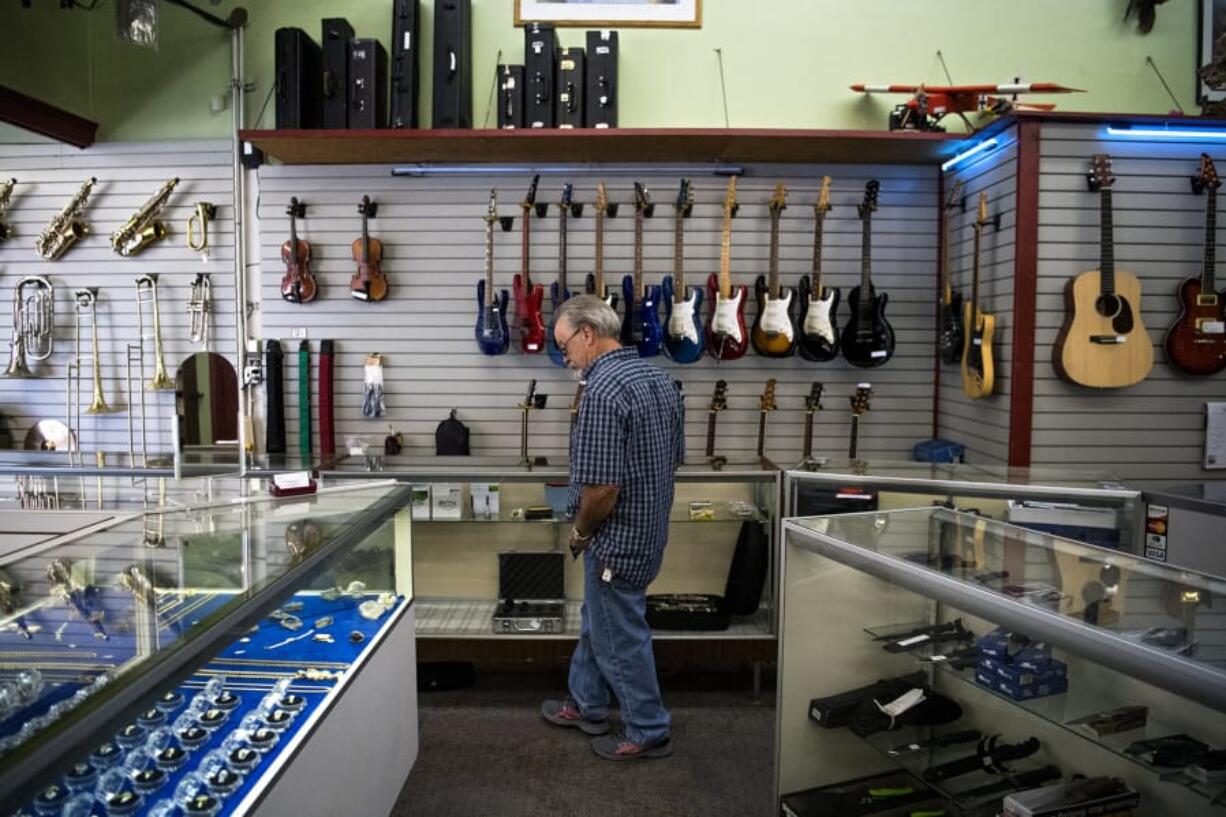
198,226
147,293
6,193
33,325
142,229
199,307
65,229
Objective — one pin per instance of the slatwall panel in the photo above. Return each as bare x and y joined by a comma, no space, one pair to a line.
1152,431
433,237
128,173
983,425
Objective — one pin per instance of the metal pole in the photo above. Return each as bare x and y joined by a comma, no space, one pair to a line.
237,103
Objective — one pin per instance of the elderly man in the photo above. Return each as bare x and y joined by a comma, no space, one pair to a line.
627,442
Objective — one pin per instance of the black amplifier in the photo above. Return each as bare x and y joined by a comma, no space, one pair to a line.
367,83
601,99
335,41
298,64
510,96
405,82
453,81
540,67
568,112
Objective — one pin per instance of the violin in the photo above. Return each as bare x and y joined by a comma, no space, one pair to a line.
368,283
297,285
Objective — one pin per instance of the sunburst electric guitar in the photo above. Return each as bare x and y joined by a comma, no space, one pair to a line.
1103,343
1196,342
819,305
774,334
684,339
978,375
641,324
595,280
727,337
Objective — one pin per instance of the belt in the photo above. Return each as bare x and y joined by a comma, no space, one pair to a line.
274,442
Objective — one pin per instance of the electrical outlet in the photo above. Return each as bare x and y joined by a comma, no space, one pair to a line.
298,332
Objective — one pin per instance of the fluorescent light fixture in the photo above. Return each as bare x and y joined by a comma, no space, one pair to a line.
645,169
982,147
1166,133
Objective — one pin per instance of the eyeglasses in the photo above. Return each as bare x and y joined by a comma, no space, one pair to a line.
573,335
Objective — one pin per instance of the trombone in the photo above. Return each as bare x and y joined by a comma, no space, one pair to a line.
86,300
147,293
33,325
198,226
199,308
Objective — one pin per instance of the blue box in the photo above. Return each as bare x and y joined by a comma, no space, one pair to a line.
1021,692
995,645
1023,676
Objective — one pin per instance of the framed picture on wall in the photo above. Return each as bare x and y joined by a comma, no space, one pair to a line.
611,13
1212,28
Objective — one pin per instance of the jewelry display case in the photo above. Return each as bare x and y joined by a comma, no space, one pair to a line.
208,650
963,659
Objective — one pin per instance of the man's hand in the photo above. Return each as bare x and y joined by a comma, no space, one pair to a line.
578,542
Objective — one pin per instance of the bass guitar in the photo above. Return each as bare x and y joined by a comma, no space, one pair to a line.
1196,342
719,402
1103,343
774,334
868,338
684,339
859,407
528,296
558,293
978,376
492,334
641,323
766,404
819,329
368,282
813,404
298,284
595,280
727,338
949,316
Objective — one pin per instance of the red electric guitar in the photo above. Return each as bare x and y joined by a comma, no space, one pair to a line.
528,296
1196,342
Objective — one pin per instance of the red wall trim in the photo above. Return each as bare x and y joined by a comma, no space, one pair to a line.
1025,285
29,113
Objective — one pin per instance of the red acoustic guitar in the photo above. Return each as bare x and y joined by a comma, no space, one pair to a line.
297,285
1196,342
528,296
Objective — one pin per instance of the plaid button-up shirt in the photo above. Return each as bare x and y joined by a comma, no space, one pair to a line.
630,432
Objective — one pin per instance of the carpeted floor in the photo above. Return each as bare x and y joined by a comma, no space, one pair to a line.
487,751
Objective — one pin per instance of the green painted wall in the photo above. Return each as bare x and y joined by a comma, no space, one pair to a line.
788,62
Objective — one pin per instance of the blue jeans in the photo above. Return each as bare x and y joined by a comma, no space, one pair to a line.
614,652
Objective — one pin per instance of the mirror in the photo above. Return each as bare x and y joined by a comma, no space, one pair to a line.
206,400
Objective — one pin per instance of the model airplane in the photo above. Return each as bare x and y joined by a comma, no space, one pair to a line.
929,104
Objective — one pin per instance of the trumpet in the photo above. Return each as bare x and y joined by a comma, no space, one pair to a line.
147,292
199,307
6,192
33,325
142,229
198,225
87,304
65,229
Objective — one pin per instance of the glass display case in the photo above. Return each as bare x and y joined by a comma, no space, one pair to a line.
956,660
184,659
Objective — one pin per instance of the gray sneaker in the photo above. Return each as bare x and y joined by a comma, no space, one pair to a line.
619,747
566,713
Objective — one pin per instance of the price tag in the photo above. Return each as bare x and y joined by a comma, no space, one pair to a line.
1213,327
293,481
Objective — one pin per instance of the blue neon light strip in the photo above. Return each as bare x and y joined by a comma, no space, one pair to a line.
982,147
1167,133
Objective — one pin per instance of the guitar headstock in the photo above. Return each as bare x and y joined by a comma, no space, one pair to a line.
568,191
813,400
870,199
602,198
730,197
1206,178
823,205
955,196
1100,172
368,208
982,218
491,214
779,199
685,197
860,400
296,208
719,399
642,199
530,199
767,401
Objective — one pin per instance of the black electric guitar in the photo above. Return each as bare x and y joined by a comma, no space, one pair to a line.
719,402
868,338
766,404
949,319
859,407
813,404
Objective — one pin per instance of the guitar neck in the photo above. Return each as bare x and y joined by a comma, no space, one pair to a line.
854,447
808,445
525,244
762,432
1107,263
866,268
678,265
489,260
947,292
975,274
774,257
599,254
1207,285
818,225
711,416
638,254
562,254
725,259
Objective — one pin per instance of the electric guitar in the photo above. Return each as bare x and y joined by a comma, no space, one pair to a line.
595,281
819,329
859,407
727,338
949,318
368,282
868,338
528,296
641,323
492,334
719,402
774,334
558,293
813,404
978,376
684,339
1103,343
1196,342
574,404
766,404
297,285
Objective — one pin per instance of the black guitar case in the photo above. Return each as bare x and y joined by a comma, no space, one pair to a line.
742,591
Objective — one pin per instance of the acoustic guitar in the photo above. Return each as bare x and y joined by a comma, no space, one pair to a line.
868,338
528,296
978,376
684,339
766,404
774,334
727,337
493,336
819,328
949,316
1196,342
594,284
813,404
298,284
641,323
558,293
719,402
1103,343
368,282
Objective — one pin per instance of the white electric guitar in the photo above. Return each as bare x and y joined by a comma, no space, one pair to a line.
684,339
773,334
819,330
727,338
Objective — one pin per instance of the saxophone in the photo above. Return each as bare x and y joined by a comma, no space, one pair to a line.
142,229
6,192
64,229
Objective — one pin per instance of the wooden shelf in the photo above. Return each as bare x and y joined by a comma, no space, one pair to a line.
552,146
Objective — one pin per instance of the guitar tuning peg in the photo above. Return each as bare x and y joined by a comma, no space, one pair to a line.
996,221
1091,183
962,204
649,209
576,209
688,210
611,209
507,223
736,208
542,209
1198,186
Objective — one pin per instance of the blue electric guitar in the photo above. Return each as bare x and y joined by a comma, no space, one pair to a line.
684,339
492,333
558,293
641,323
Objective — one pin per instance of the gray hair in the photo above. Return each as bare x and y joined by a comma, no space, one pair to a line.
588,310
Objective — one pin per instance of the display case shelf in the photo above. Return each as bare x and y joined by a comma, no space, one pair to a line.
680,514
